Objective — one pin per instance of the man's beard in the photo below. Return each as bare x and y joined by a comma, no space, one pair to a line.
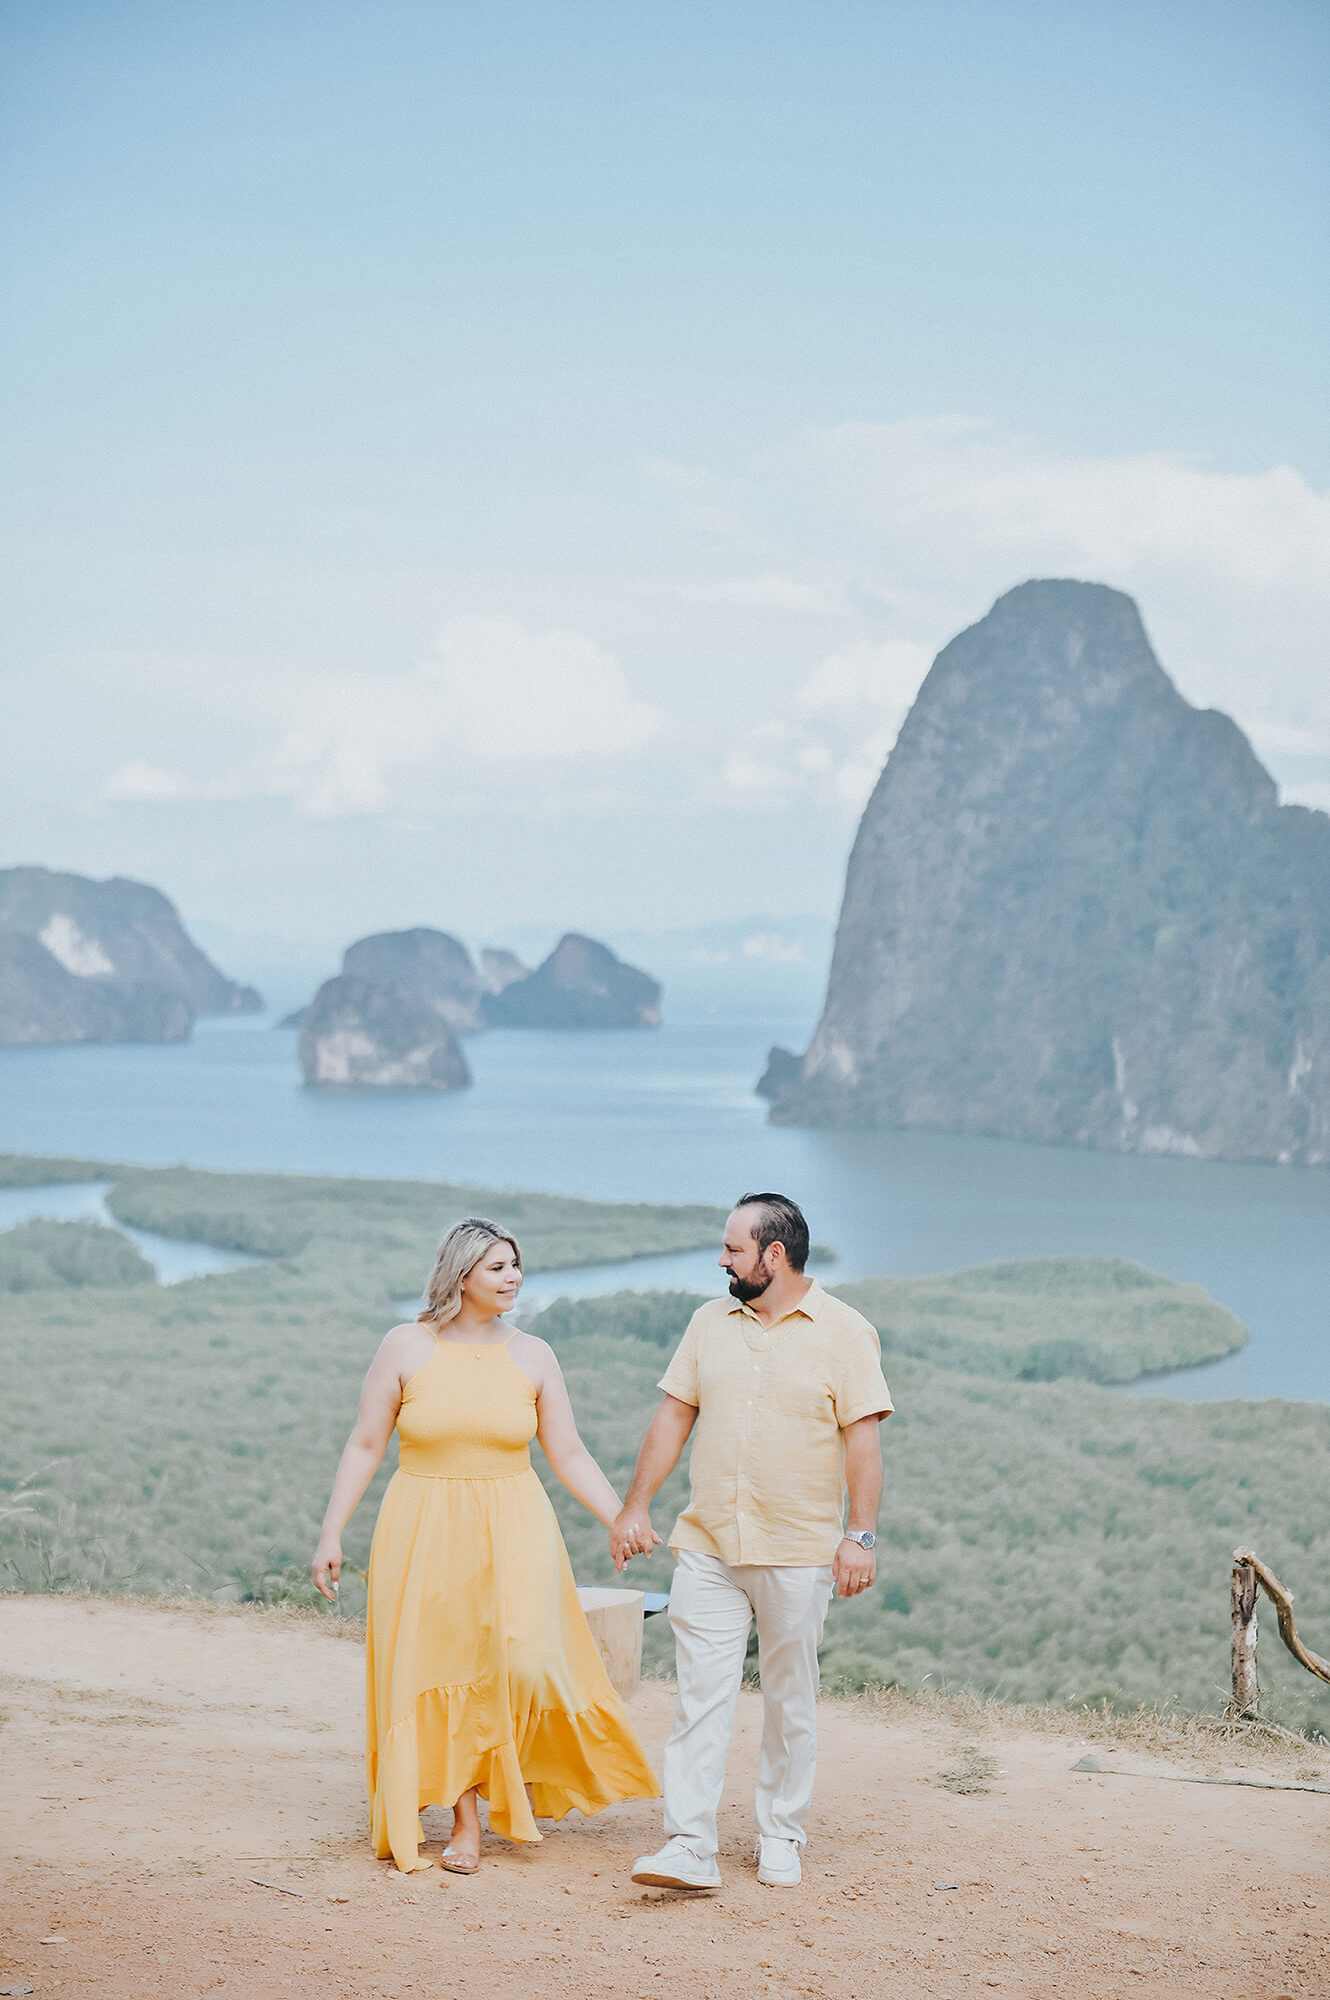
748,1289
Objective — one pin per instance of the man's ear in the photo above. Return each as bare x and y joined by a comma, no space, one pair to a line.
776,1251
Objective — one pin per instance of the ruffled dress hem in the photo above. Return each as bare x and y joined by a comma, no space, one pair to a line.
572,1762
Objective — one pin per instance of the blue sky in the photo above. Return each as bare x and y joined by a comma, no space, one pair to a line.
492,464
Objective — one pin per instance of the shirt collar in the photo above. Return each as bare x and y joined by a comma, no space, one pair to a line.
809,1307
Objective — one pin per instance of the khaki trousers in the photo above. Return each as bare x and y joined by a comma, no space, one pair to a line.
712,1605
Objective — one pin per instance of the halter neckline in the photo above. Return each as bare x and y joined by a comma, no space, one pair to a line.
442,1340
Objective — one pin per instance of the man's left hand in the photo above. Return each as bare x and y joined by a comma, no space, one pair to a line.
853,1568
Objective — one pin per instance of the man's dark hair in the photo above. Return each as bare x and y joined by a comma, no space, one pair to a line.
779,1220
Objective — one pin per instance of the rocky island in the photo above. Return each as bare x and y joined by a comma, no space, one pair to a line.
1076,912
499,969
580,985
392,1017
432,964
360,1032
436,967
87,961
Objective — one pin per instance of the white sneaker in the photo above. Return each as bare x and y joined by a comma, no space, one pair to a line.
676,1866
778,1863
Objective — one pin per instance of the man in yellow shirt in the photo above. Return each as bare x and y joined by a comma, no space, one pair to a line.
784,1386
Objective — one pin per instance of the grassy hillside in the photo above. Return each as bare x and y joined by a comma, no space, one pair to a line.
44,1256
381,1234
1103,1319
1045,1540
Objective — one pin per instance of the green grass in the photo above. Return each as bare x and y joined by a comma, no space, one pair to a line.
43,1170
380,1236
45,1256
1102,1319
1045,1541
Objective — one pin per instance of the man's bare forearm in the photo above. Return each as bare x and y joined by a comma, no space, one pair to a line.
632,1533
667,1434
863,1472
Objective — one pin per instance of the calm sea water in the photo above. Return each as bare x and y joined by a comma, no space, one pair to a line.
671,1116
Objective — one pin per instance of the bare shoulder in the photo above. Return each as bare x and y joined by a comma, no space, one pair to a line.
534,1356
406,1347
403,1333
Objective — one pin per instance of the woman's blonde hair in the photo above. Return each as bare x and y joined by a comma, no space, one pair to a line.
458,1254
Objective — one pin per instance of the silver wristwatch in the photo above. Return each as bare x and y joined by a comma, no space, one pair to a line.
864,1536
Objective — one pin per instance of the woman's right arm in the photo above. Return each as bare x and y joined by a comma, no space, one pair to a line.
380,1402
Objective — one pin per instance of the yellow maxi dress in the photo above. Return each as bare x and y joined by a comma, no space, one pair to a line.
481,1666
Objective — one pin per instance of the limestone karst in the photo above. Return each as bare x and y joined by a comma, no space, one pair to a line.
1075,911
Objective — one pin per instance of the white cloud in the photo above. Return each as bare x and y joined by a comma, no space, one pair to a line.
495,699
866,680
837,732
789,627
948,486
860,695
1315,793
772,760
138,780
1231,570
938,518
762,593
775,948
667,472
1295,739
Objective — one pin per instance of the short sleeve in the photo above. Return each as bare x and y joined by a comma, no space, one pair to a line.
680,1379
861,1388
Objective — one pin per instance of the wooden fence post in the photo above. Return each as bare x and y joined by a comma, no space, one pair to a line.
1282,1598
1246,1687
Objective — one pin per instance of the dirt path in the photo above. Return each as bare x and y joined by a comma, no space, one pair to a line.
154,1761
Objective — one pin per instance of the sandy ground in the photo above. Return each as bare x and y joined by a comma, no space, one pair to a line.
166,1774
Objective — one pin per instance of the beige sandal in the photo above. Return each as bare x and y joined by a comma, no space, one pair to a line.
454,1863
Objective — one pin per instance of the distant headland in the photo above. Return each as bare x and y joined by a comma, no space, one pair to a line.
86,961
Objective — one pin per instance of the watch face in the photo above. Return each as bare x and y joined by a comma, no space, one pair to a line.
867,1541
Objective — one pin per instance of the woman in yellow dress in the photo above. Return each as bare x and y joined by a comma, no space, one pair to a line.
483,1677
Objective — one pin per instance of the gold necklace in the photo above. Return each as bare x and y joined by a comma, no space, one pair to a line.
476,1351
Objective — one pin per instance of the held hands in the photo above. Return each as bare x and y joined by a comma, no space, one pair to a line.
853,1569
327,1568
631,1534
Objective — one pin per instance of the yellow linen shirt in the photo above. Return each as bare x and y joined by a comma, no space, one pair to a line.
768,1466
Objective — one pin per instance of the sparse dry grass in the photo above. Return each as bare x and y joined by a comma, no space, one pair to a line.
1203,1742
969,1773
